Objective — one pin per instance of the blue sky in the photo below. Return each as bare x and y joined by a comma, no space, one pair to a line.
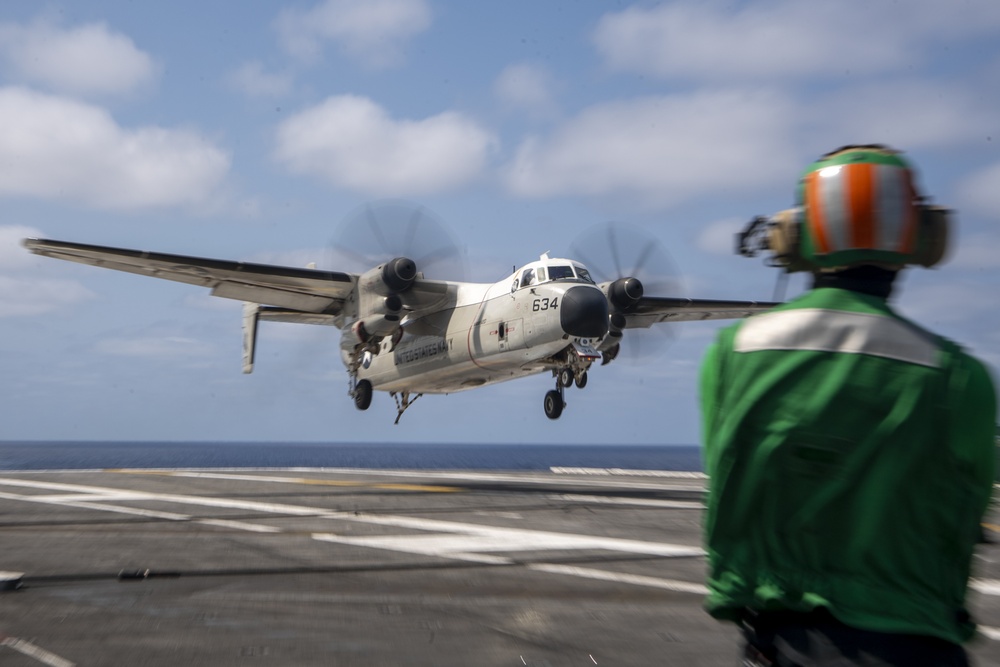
250,134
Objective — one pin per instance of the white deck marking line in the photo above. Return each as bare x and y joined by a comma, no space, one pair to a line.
485,537
472,537
467,541
89,497
985,586
511,535
622,578
623,500
47,500
225,503
25,647
240,525
64,501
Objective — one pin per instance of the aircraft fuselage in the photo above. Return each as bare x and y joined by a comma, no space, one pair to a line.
493,333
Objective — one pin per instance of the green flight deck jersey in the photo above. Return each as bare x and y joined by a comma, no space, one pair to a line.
850,456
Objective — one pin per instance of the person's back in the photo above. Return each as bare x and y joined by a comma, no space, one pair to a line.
850,460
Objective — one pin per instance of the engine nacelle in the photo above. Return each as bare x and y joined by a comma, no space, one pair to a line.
381,322
395,276
624,293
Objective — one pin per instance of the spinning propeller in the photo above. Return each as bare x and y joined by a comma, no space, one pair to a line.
631,263
381,230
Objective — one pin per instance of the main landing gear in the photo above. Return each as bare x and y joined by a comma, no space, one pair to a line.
554,403
554,399
362,394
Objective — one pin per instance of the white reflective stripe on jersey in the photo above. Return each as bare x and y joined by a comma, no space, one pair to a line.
820,330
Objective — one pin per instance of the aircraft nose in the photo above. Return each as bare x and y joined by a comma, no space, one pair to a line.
584,312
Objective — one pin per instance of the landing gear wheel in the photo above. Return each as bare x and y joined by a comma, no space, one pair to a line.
581,380
553,404
363,395
566,377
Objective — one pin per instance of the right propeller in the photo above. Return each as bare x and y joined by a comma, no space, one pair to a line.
628,262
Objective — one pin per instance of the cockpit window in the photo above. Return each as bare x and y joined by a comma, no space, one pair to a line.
539,274
561,273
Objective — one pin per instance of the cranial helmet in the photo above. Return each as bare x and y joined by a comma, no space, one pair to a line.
855,206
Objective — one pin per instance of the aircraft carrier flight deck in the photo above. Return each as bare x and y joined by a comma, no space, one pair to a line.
362,567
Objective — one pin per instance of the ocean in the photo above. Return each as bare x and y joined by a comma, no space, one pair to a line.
101,455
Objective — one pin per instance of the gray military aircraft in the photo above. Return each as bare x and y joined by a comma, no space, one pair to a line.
407,335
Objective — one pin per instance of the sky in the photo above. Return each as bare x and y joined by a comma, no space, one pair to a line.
255,131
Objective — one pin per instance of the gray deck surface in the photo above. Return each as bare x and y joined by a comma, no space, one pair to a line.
342,567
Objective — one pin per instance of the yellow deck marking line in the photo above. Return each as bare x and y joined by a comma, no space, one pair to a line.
394,486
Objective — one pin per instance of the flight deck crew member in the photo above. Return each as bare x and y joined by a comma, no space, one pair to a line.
850,452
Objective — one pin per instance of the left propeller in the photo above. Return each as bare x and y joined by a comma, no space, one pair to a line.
378,231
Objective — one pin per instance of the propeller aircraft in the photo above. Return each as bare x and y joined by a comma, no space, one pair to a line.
407,335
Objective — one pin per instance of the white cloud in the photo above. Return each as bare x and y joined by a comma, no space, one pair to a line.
22,294
56,148
526,87
253,80
905,113
710,40
351,142
783,38
373,32
662,149
87,59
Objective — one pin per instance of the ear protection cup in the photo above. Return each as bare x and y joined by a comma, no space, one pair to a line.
784,238
933,232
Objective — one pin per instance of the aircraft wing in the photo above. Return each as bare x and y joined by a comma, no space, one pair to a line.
652,310
297,291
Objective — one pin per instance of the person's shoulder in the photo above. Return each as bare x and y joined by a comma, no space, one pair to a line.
977,370
957,355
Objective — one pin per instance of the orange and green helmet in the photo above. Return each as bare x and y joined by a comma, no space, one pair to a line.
859,206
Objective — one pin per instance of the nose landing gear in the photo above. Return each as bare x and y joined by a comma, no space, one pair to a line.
569,367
